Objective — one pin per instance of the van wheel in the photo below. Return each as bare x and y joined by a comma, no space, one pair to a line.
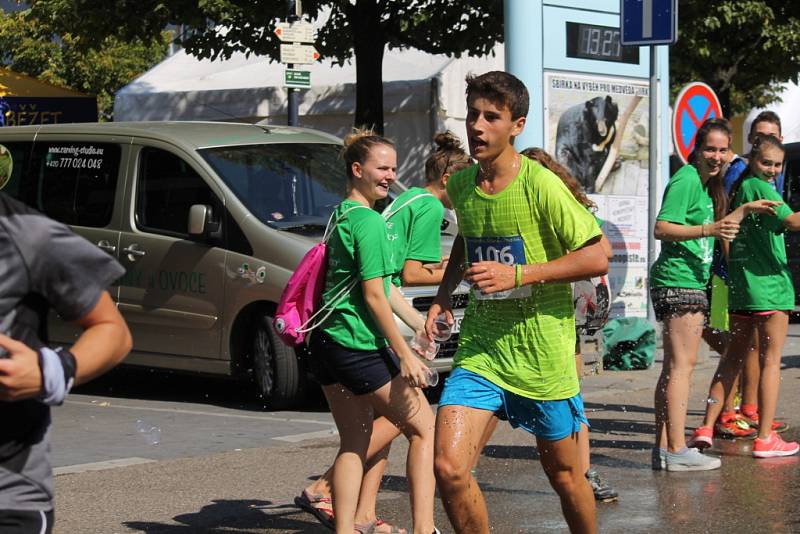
275,366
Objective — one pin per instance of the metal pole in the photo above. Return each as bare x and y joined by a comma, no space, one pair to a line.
652,190
294,11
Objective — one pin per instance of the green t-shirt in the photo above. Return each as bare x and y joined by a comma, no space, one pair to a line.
758,273
357,247
685,263
414,230
525,341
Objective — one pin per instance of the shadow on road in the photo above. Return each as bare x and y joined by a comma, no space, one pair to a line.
161,385
234,516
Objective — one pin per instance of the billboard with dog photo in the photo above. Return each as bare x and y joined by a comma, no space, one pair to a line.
597,127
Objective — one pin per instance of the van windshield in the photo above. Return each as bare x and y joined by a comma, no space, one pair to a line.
287,186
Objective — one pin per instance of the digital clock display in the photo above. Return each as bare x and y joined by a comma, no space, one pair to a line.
588,41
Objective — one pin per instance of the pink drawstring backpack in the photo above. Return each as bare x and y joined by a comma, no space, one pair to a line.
298,310
300,299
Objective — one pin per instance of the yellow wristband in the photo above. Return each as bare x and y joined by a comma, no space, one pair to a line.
517,275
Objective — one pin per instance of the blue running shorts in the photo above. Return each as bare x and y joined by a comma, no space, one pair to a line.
548,419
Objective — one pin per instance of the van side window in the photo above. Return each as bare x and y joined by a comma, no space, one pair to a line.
167,188
74,183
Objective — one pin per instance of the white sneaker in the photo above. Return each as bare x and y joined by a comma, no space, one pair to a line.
691,459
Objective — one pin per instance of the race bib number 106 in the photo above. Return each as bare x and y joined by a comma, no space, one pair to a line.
505,250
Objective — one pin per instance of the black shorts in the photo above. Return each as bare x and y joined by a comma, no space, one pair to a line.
26,522
360,371
677,301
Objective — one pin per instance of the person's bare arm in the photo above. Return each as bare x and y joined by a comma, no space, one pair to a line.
726,228
792,222
606,246
585,262
105,340
411,367
415,273
103,344
669,231
453,275
405,311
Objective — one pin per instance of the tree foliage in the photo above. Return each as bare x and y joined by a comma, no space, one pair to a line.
31,46
743,49
359,30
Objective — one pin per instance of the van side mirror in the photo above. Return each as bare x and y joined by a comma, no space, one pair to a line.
201,221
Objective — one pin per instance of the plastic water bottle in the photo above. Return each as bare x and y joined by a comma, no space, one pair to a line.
150,433
424,347
433,377
443,329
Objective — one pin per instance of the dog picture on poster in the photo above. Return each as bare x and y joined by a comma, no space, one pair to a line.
597,127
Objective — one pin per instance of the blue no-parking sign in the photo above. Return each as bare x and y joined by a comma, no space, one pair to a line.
695,103
649,22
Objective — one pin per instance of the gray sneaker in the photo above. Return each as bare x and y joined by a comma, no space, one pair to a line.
691,459
658,459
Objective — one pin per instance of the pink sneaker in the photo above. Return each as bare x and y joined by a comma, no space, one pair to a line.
702,438
773,447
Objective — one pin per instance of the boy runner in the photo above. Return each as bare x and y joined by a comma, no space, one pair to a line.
524,238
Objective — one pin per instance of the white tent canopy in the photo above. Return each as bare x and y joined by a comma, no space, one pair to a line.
423,94
787,110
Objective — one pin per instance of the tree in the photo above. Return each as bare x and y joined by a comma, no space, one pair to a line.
30,46
743,49
359,29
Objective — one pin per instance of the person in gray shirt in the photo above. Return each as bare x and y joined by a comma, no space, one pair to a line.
44,265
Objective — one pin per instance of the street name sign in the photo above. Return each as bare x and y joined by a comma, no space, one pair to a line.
300,31
649,22
299,79
298,53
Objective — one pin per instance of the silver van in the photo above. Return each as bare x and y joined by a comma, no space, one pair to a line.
209,219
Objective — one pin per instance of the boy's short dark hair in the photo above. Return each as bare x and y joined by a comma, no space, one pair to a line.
502,89
766,116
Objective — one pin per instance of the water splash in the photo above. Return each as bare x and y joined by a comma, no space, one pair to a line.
151,434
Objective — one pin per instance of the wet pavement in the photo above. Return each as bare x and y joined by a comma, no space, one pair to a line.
252,490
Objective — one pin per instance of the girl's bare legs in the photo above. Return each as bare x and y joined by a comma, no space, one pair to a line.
408,409
751,376
487,435
682,336
353,415
383,433
722,385
771,336
583,435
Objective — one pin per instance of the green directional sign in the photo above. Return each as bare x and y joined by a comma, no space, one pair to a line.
300,79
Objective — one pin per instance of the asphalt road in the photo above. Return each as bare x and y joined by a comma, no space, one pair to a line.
223,465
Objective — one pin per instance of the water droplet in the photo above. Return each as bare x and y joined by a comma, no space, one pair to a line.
151,434
712,400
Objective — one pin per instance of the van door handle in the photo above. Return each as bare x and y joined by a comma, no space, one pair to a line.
133,252
106,245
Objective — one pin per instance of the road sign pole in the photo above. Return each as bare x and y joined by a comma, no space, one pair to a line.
292,104
652,182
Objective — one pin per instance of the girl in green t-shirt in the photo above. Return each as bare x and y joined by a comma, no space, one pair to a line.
414,231
361,377
417,243
761,297
692,215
